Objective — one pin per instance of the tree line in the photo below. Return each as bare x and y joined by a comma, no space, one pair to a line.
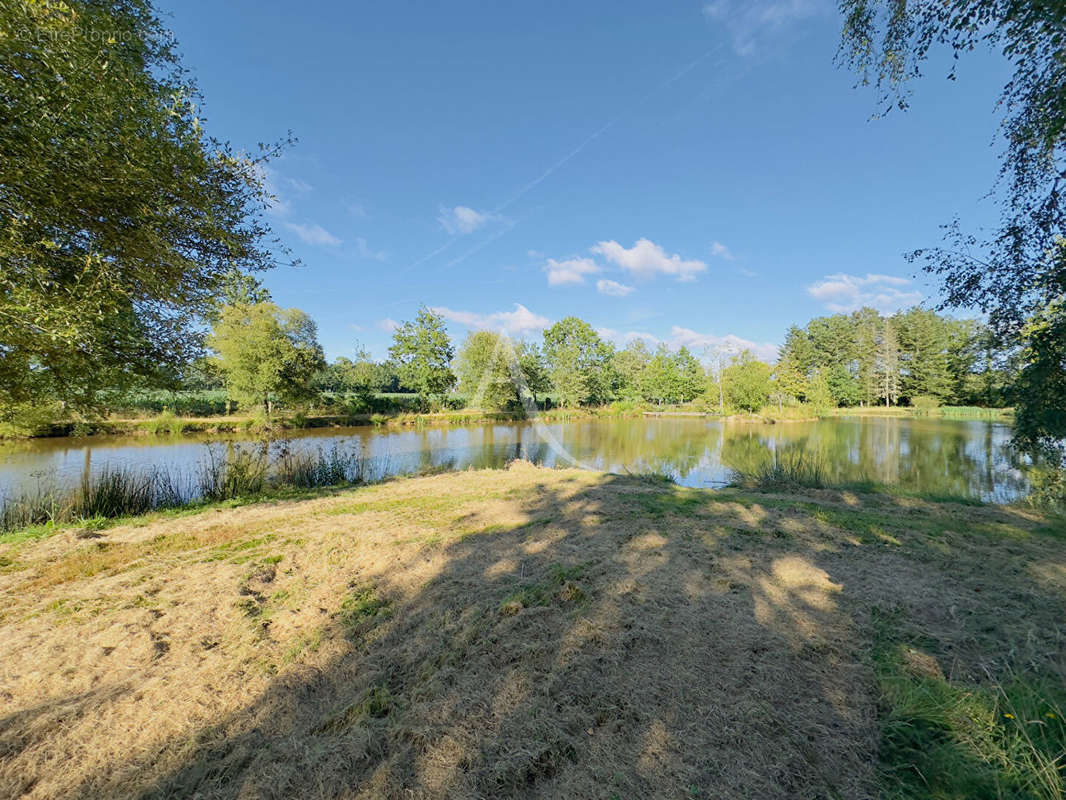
262,353
865,358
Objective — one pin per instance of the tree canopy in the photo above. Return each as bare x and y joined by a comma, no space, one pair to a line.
119,216
423,352
579,362
1015,272
486,366
264,352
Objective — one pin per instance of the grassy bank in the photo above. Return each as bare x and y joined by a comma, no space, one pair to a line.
938,412
532,632
168,423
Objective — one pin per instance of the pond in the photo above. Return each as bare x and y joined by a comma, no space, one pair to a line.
963,458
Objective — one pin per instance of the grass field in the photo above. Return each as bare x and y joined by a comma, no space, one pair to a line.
539,633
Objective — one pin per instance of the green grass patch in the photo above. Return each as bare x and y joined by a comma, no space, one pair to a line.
946,738
561,585
678,502
363,605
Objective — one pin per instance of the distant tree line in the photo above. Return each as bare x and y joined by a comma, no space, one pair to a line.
865,358
261,353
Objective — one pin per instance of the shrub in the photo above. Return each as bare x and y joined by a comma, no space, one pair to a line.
925,403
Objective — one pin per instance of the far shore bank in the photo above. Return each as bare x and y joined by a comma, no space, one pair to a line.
170,424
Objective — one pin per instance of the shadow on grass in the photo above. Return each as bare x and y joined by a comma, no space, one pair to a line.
628,639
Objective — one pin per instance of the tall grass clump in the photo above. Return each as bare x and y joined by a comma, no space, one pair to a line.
306,470
42,505
113,492
241,473
945,737
975,412
123,492
787,471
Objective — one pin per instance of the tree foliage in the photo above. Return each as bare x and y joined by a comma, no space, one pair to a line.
747,382
423,355
264,352
868,359
494,372
1015,272
579,362
119,216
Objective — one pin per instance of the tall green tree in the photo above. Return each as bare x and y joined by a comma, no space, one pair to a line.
495,372
923,343
579,362
265,353
820,395
867,325
790,380
120,218
747,382
799,351
1016,274
534,370
690,380
423,352
483,370
660,377
630,364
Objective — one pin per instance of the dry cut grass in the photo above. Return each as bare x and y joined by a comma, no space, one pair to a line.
519,633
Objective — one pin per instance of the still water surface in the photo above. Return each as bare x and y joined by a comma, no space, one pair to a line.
970,458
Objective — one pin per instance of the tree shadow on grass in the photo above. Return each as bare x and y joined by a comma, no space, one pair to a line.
627,638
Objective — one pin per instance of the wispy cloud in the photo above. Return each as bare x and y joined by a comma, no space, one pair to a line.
519,322
613,288
388,324
572,270
729,345
281,188
363,250
313,234
463,219
699,343
843,293
719,250
751,23
645,259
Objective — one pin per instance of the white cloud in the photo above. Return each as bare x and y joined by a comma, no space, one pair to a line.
364,251
730,344
388,324
698,343
645,259
719,250
751,23
572,270
463,219
843,293
519,322
613,288
622,339
280,188
313,234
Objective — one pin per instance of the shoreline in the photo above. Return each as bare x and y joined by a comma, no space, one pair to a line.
170,424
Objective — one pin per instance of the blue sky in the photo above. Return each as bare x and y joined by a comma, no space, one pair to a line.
696,173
